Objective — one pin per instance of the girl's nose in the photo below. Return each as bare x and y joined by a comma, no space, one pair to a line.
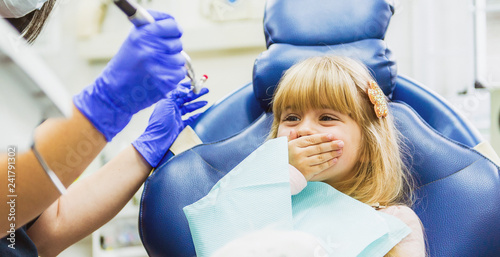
306,128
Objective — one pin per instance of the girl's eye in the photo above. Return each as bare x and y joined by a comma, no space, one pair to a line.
328,118
291,117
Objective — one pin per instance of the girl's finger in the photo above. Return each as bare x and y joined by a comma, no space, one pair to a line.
323,148
315,139
323,166
323,157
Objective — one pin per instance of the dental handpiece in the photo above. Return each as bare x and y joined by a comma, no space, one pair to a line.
135,13
139,17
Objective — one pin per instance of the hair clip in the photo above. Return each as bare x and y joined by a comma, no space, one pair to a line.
377,98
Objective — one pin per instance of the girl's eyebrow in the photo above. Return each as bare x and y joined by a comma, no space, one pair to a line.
328,110
336,113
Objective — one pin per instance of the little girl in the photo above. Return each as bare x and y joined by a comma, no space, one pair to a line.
340,132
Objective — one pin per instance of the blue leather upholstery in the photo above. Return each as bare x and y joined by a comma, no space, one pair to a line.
226,117
240,109
325,22
436,111
459,189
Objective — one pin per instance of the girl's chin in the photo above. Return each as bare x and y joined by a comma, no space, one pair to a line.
323,176
318,178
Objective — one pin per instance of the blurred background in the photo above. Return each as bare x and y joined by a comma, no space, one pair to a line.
450,46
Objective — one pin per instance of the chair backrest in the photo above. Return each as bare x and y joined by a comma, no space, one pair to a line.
458,188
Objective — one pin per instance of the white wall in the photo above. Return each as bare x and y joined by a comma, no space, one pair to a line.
433,43
492,75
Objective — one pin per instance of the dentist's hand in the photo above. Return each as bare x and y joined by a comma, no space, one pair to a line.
313,154
147,67
166,123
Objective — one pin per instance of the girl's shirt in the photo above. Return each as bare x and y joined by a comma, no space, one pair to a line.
412,245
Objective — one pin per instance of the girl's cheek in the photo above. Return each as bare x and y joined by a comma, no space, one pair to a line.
283,132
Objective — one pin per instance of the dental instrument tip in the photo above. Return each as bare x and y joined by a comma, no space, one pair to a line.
199,85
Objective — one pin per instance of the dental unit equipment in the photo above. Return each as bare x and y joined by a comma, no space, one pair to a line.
139,17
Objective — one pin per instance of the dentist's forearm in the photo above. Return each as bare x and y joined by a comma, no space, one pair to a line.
68,146
90,203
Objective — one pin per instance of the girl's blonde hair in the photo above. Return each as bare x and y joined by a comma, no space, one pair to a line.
341,84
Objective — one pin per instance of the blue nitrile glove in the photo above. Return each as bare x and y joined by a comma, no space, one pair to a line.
166,123
147,67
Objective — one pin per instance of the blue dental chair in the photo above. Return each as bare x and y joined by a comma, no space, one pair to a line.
458,187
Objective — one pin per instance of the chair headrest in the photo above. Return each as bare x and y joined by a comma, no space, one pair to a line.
299,29
325,22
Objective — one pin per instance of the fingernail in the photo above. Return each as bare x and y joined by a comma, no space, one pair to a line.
329,137
335,160
339,152
340,144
